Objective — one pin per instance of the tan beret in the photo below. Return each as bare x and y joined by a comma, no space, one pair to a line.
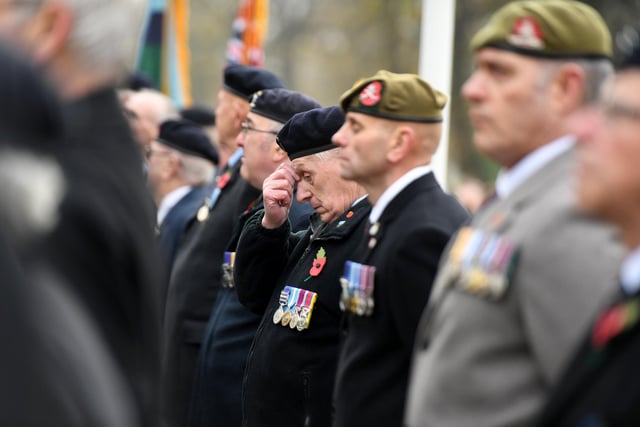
547,28
403,97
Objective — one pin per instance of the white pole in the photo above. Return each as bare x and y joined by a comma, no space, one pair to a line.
436,64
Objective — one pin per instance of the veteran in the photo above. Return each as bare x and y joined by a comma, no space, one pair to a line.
217,391
291,280
196,276
600,386
519,285
181,163
392,129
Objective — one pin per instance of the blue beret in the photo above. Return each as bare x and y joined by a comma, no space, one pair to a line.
281,104
200,115
188,138
244,80
310,132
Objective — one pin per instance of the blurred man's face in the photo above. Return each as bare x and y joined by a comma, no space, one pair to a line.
608,173
260,151
320,185
508,104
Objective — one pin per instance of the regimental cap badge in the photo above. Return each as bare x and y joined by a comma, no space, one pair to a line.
254,98
371,94
526,33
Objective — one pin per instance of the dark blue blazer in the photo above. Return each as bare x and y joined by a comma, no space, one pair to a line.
178,220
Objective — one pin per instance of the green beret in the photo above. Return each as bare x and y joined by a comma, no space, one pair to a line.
547,28
403,97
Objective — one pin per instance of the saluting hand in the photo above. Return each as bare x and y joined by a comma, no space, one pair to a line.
277,192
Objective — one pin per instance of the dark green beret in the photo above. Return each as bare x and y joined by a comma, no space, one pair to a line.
281,104
547,28
403,97
310,132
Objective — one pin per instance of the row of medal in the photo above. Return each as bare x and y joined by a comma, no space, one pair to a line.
295,307
357,288
481,262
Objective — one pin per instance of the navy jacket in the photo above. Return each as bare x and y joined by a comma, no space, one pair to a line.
216,398
177,222
290,372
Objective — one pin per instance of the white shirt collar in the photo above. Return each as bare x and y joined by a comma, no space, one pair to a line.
392,191
170,200
630,272
510,179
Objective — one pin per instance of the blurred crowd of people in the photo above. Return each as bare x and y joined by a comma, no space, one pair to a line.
274,261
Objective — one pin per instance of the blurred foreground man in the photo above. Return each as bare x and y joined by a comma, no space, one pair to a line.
600,387
392,129
518,286
103,247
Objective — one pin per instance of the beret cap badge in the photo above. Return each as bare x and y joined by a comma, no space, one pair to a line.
371,94
526,33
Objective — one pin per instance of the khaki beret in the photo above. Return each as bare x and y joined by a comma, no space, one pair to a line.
547,28
403,97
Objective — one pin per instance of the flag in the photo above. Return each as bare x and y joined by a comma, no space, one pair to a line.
164,54
248,32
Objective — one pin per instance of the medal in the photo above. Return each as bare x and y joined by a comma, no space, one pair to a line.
277,316
284,297
203,212
291,302
286,318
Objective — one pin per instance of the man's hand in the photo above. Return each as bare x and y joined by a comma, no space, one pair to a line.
277,192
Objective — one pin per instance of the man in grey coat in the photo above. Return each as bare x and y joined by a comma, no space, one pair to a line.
519,285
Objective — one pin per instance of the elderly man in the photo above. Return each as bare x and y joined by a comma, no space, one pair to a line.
519,285
146,110
600,386
103,245
291,280
181,164
196,276
392,129
217,394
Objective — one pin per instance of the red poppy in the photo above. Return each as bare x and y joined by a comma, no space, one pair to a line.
318,263
608,325
223,180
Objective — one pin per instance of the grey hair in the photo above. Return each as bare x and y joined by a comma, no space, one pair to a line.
327,154
104,33
596,72
196,170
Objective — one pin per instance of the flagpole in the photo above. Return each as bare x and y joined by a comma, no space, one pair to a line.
436,65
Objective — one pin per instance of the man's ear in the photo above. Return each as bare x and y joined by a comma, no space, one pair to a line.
401,142
568,91
48,31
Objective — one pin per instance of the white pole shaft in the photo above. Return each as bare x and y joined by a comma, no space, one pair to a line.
436,64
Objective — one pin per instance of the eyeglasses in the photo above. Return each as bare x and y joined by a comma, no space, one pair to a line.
148,152
246,127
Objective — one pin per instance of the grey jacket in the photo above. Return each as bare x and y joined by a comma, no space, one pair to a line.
494,339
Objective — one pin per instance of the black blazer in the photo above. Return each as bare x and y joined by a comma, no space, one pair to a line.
601,384
103,245
373,367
